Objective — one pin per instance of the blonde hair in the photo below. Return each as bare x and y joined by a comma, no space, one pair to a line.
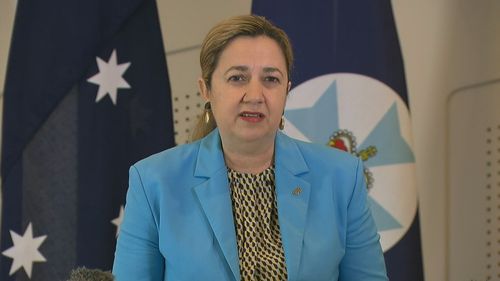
217,40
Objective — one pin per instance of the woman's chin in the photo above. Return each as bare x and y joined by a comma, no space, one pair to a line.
257,136
248,135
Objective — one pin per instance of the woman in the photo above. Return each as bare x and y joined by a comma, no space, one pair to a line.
246,202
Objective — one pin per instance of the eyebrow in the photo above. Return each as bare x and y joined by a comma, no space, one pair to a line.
273,69
244,68
237,67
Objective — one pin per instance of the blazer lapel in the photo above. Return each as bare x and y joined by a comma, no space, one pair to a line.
215,198
292,193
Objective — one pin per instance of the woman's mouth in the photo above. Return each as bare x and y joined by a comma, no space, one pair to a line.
252,117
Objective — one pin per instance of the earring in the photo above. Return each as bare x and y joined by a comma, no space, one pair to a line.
282,123
206,114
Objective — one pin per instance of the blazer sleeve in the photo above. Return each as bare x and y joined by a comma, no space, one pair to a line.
363,259
137,256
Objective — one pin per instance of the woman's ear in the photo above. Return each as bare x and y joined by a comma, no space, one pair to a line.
289,87
203,88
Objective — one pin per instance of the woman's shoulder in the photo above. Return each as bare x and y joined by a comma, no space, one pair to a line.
325,167
323,153
170,157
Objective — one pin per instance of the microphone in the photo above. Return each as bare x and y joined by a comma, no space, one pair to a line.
85,274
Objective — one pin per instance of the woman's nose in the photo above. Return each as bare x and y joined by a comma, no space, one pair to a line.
254,92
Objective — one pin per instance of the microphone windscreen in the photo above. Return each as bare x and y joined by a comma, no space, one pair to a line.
85,274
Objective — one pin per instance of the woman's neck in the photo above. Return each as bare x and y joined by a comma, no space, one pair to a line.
248,160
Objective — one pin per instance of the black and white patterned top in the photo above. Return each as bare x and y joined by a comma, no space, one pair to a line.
260,249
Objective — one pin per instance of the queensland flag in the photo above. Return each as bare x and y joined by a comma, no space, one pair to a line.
87,94
349,92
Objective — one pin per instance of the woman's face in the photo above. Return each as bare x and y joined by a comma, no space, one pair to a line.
248,89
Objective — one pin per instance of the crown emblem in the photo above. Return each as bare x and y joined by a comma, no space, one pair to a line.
345,140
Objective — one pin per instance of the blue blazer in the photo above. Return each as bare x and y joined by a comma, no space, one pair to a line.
178,222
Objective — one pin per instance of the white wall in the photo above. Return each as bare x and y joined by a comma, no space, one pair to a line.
7,10
446,44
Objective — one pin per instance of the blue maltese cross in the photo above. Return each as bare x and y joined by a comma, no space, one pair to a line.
385,142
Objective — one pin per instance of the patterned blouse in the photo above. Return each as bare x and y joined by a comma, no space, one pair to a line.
260,249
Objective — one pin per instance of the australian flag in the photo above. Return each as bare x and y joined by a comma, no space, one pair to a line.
349,92
87,94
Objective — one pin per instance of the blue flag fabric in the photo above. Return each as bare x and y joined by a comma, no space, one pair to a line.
349,92
87,94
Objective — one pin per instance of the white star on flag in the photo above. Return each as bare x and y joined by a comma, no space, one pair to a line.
109,78
24,252
118,221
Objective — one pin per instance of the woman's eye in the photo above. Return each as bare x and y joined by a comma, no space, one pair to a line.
272,79
236,78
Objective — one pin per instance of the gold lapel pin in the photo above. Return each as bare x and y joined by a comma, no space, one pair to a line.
297,191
